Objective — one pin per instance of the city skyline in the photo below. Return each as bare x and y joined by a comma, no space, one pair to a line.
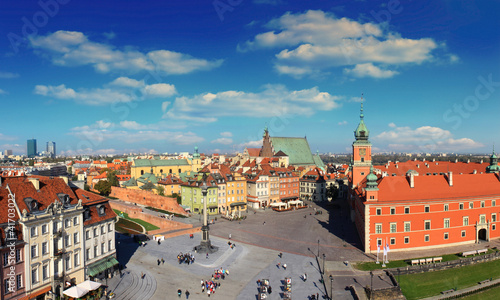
113,78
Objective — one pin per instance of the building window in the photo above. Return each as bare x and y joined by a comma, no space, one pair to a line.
67,223
45,272
67,240
102,248
378,228
427,225
68,262
103,229
45,248
87,235
493,203
482,219
34,275
75,221
19,280
493,227
34,231
393,227
87,254
34,251
393,211
446,235
461,206
407,226
6,259
482,204
466,221
76,238
95,251
446,223
379,242
95,231
427,238
45,229
109,245
407,210
407,239
77,259
446,207
493,217
18,255
427,209
379,211
463,233
393,241
6,286
471,205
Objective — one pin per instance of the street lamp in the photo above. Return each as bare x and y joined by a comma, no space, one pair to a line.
371,285
331,286
323,264
318,248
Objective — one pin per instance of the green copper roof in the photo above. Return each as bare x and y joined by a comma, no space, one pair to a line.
318,162
371,180
361,133
130,182
297,149
160,162
148,177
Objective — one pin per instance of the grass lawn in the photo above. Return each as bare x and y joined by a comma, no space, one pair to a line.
417,286
146,225
124,225
490,294
165,212
369,266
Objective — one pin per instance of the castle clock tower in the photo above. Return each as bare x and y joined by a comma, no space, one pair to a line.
361,152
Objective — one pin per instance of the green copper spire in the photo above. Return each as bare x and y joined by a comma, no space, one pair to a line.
493,167
371,180
361,132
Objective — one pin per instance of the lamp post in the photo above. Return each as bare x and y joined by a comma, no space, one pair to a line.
371,285
205,244
323,264
331,287
318,248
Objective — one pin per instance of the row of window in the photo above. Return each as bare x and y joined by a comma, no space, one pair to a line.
289,192
427,224
18,284
7,259
427,238
446,207
96,233
45,227
96,248
35,278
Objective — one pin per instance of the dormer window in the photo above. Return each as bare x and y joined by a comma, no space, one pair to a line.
86,214
31,203
64,198
101,210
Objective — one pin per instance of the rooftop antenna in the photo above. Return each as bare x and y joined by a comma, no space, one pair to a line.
361,112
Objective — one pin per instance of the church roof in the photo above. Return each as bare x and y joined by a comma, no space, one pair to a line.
297,149
160,162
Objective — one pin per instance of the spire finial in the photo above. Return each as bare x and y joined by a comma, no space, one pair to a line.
361,115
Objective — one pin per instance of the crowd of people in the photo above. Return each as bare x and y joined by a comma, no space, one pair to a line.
186,258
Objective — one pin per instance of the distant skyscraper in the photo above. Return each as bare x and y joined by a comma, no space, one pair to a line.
7,152
51,149
31,151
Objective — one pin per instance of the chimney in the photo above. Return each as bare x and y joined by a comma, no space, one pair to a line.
396,166
456,160
35,182
418,166
433,160
65,179
481,161
468,161
474,172
450,178
412,180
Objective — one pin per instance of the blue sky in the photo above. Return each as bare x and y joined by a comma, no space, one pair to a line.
103,77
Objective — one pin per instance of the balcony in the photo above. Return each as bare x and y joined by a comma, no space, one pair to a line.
59,252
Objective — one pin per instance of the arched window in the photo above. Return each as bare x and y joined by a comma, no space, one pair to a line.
180,171
170,171
142,172
161,171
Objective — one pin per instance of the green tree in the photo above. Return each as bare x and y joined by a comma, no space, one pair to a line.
178,197
113,180
104,187
160,190
74,178
148,186
70,169
86,187
31,162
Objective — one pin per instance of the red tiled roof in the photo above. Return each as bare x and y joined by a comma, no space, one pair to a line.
253,152
423,167
436,187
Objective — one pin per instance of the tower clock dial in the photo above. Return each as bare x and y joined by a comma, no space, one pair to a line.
362,152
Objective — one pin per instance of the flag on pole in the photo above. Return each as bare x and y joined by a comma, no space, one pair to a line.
385,250
378,248
387,245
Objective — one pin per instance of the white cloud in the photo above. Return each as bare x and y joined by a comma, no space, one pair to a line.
272,101
121,89
315,41
71,48
369,70
133,132
223,140
342,123
425,139
16,148
8,75
250,144
226,134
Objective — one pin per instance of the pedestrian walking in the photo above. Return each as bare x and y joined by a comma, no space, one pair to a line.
162,261
284,266
280,255
304,277
179,292
187,294
142,275
207,255
269,290
278,265
229,236
159,261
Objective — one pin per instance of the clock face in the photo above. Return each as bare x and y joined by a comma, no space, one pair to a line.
362,151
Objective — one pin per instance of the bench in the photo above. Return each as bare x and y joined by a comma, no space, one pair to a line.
422,261
465,254
437,259
414,262
482,251
484,281
428,260
447,291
